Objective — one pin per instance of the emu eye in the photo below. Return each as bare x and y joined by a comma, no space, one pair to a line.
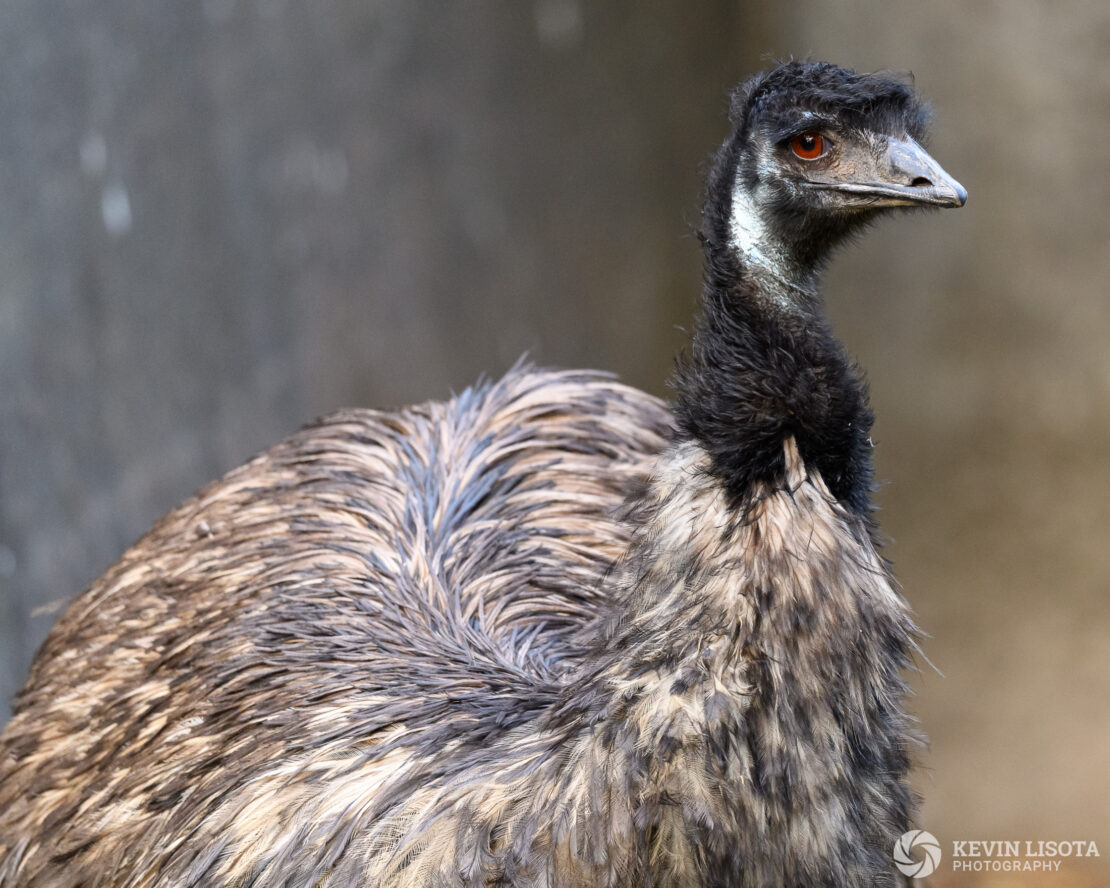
808,146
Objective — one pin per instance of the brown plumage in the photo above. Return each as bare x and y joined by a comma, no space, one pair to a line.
297,610
549,633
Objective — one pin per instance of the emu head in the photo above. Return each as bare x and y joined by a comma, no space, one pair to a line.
817,151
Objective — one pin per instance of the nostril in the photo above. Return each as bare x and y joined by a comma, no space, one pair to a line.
921,182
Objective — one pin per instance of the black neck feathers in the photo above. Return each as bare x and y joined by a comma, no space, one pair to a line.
765,366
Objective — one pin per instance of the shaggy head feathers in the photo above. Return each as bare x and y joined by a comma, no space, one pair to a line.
774,101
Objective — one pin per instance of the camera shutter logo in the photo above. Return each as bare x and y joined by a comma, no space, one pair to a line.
927,849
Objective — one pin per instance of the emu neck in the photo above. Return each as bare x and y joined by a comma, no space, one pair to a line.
765,367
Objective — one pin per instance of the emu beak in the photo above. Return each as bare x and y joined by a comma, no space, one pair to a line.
900,173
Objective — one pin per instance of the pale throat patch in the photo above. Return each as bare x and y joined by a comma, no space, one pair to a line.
758,248
750,235
747,229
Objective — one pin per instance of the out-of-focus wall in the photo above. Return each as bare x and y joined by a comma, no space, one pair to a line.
221,219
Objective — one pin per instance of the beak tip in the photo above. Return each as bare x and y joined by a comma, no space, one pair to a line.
911,163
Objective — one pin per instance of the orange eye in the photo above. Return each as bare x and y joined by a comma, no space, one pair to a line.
808,146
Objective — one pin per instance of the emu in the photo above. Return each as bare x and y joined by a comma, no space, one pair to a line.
549,633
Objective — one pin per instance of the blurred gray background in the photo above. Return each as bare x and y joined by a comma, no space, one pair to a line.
220,219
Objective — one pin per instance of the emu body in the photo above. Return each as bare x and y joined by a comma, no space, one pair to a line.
549,633
380,589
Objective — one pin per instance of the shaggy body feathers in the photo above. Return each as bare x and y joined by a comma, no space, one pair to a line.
378,581
548,634
354,708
